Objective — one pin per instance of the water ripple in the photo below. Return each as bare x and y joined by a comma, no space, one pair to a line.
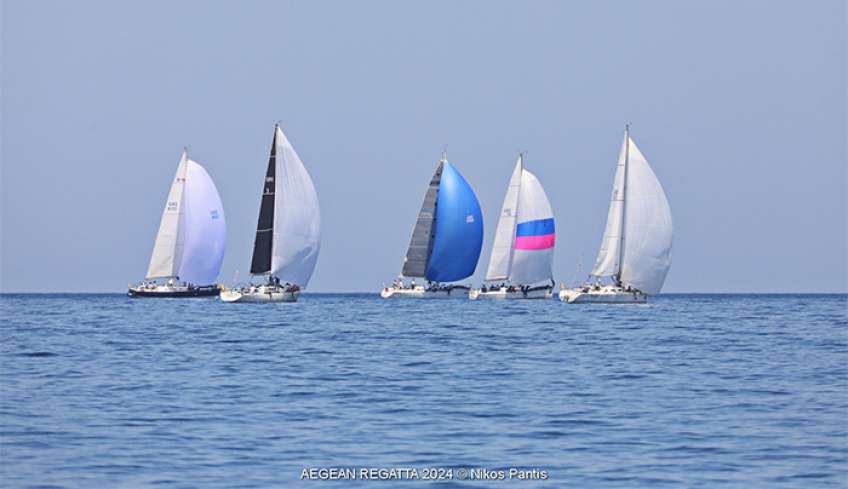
689,391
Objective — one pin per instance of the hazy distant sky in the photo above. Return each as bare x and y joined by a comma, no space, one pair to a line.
740,107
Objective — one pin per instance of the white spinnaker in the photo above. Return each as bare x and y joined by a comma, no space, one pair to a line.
500,260
532,266
607,262
648,227
205,228
297,218
168,248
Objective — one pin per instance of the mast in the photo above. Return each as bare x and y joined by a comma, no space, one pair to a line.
623,202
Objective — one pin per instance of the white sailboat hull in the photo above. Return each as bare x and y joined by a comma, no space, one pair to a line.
421,292
261,294
604,295
505,294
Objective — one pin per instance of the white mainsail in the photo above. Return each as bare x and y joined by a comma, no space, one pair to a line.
168,247
297,217
607,262
205,228
528,261
640,221
500,260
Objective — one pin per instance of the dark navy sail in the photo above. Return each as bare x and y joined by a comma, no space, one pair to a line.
458,229
263,245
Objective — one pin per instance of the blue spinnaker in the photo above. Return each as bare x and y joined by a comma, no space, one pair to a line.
459,229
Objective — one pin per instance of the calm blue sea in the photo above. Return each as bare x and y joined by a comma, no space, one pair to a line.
708,391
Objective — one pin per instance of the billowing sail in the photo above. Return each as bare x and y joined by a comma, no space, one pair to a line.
458,229
607,262
168,248
535,234
639,220
501,259
262,244
421,242
648,227
297,217
204,227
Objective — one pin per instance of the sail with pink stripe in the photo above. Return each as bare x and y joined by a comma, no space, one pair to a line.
535,235
526,234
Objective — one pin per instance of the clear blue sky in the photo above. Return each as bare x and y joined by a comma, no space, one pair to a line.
739,106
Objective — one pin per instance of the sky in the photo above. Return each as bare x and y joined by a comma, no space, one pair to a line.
739,106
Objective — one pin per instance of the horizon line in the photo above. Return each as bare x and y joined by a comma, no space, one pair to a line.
377,293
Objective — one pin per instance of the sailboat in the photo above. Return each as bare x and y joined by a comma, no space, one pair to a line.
446,241
189,246
523,251
288,233
635,251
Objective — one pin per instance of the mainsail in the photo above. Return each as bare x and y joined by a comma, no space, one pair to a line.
262,244
288,233
636,248
421,242
524,241
168,247
448,235
500,261
192,233
607,263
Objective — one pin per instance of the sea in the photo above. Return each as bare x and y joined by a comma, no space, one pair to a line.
349,390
